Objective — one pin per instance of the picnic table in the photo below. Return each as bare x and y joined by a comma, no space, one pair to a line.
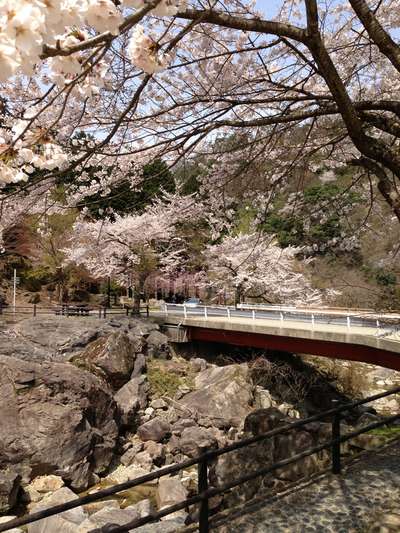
73,310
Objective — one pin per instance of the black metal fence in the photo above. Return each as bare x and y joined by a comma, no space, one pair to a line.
205,492
70,310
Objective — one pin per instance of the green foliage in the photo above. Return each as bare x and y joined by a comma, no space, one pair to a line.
388,432
122,199
115,288
32,279
162,382
289,231
304,227
245,216
327,192
385,278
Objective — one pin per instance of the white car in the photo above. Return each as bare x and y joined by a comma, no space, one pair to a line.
192,302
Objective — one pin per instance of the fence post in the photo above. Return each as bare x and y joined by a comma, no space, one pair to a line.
99,311
67,310
184,311
1,308
127,311
202,487
205,312
34,309
377,324
348,321
281,314
336,465
104,312
147,311
312,320
253,314
229,313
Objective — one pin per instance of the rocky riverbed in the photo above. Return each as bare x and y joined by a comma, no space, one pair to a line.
86,404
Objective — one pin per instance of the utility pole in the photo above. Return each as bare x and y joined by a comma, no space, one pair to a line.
109,292
15,289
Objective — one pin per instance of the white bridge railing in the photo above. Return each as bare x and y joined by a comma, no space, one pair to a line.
383,324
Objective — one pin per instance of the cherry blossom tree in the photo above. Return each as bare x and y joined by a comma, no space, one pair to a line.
253,267
313,83
134,246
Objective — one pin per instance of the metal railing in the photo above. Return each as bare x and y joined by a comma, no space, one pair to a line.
380,323
205,492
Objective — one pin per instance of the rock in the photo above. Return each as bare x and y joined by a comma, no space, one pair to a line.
52,337
159,403
67,522
54,418
158,345
166,526
156,451
261,421
198,364
142,328
9,486
132,397
170,491
107,517
111,358
140,366
143,508
181,424
195,440
47,483
149,411
128,457
93,507
367,441
263,398
222,392
144,460
268,451
30,495
126,473
156,429
388,522
189,479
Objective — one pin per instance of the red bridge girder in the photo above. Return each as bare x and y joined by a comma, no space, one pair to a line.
332,349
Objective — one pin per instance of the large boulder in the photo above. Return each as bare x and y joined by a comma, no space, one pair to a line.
132,397
224,393
54,419
111,358
195,440
251,458
107,517
170,492
156,429
67,522
158,345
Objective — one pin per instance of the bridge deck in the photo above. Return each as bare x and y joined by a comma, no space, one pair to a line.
380,346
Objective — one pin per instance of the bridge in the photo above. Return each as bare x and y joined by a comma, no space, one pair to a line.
352,335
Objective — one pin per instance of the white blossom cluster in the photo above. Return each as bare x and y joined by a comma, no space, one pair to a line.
143,52
27,25
20,158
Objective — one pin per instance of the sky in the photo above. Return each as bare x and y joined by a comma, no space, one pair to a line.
269,7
